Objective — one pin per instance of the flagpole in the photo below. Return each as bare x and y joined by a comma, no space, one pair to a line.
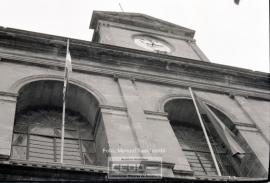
64,108
63,131
205,133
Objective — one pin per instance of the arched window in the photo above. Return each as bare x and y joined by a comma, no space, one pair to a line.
187,128
37,128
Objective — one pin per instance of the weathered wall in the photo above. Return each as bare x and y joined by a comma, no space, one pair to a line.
132,113
124,38
14,76
252,130
256,111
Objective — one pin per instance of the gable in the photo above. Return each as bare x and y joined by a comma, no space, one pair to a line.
140,20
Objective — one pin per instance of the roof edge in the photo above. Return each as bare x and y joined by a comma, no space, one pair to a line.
130,19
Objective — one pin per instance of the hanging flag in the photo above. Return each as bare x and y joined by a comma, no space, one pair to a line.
68,59
68,69
224,132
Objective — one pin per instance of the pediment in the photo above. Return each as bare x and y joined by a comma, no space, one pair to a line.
140,20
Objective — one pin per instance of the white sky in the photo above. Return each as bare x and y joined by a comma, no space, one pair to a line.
228,34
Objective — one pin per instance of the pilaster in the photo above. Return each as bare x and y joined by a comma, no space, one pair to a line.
7,115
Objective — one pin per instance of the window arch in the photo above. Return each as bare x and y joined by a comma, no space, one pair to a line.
37,128
185,123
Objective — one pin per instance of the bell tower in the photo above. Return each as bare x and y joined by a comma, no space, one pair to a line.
143,32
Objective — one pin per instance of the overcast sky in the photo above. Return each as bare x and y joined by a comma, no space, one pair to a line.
229,34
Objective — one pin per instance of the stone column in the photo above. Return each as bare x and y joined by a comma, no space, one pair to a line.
254,136
136,114
252,114
7,116
152,134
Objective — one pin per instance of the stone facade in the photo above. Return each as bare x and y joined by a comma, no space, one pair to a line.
131,87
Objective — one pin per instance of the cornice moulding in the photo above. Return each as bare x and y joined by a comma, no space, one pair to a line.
139,20
145,77
51,41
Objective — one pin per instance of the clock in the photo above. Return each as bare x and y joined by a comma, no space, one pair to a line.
152,44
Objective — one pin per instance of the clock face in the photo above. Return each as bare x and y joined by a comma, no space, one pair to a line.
152,44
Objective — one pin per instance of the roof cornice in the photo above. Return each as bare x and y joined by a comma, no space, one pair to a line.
49,46
139,20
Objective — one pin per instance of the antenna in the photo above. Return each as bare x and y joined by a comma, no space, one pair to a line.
121,7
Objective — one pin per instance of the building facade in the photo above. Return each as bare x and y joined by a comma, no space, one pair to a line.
129,96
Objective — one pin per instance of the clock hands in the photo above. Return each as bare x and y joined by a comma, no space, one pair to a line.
145,41
151,43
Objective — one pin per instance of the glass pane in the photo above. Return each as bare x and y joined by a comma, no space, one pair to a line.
68,133
40,159
40,140
89,159
71,134
41,149
70,145
86,133
41,130
40,144
88,146
20,128
18,152
72,153
41,155
70,157
19,139
68,153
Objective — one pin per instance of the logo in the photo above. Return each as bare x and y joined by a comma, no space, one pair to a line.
135,168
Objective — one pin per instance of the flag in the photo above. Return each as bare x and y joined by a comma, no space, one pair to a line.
68,59
224,132
68,69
